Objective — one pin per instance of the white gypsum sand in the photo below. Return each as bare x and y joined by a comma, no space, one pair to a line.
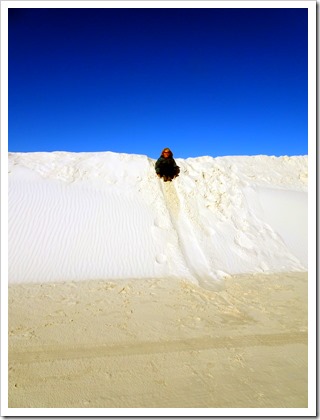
86,216
125,291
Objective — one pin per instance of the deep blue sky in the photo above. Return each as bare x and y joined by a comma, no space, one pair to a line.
200,81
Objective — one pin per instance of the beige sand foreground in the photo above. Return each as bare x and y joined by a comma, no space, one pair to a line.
159,343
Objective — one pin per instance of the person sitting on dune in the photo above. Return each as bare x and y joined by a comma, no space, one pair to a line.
166,166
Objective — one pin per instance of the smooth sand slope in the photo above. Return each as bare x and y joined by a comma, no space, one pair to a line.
92,216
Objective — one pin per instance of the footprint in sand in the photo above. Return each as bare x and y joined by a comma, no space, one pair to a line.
161,258
160,223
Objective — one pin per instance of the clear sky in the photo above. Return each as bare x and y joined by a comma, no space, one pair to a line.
201,81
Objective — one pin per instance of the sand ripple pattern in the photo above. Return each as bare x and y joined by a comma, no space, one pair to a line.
70,232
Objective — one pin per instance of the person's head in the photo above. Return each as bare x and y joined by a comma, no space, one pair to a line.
166,153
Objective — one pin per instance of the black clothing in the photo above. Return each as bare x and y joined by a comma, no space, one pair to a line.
167,167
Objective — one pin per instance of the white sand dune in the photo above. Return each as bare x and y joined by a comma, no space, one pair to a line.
93,216
128,293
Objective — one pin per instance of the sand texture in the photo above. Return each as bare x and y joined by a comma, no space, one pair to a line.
126,292
159,343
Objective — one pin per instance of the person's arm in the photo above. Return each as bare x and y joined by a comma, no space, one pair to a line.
157,166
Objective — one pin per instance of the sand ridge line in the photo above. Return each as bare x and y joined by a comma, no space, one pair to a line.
186,345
